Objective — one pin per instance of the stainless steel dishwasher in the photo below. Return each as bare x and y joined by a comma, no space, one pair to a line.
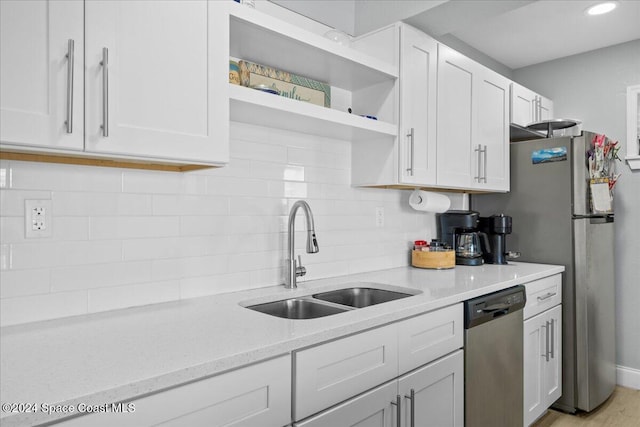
493,365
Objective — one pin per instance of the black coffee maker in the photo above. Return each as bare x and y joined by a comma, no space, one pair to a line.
459,230
497,227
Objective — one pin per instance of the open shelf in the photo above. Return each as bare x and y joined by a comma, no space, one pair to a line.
265,109
266,40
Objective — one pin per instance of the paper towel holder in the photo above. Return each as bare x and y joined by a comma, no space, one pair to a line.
425,201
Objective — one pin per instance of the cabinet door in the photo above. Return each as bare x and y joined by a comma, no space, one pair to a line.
418,67
257,395
553,368
333,372
545,107
159,93
490,160
42,89
534,352
438,393
523,105
542,362
456,118
371,409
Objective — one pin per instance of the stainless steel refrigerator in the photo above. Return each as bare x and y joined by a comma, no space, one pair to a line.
554,223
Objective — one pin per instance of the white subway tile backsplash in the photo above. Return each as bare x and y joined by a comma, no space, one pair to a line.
259,150
190,205
49,176
127,237
104,299
16,283
12,202
13,229
132,227
152,182
150,249
204,266
205,225
166,269
70,228
99,275
49,254
42,307
234,186
194,287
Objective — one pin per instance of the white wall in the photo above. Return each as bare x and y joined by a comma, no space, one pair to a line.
592,87
125,237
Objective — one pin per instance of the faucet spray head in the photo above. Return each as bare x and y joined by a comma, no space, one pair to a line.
312,242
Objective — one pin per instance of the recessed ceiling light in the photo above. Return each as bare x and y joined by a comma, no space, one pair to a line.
602,8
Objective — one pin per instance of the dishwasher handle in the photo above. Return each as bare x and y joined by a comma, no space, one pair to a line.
497,307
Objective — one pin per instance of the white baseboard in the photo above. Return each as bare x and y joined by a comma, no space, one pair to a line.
628,377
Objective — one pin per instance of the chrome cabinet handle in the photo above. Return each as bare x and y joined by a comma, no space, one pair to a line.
105,92
410,135
484,171
412,411
553,327
478,150
547,296
398,405
546,352
70,61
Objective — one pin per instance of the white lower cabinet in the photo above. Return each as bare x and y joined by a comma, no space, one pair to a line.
434,393
257,395
542,362
429,396
362,379
373,408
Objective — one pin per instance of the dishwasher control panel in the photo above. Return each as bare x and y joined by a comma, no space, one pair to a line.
490,306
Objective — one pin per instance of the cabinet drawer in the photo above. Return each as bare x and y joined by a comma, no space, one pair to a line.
372,408
256,395
543,294
429,336
335,371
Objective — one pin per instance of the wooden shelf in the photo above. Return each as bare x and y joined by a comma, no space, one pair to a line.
265,109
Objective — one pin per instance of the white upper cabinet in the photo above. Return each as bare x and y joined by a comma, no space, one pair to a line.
453,131
491,170
456,118
409,159
418,68
153,81
528,107
41,74
473,125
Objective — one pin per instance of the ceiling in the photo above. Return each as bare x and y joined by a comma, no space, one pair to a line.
518,33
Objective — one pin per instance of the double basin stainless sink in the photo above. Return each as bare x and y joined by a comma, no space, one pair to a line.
331,302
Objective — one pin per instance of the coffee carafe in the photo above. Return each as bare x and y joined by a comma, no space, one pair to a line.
459,229
469,246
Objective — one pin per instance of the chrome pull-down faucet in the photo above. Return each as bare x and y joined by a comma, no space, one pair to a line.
295,269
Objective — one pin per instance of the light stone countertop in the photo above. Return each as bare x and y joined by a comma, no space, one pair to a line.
119,355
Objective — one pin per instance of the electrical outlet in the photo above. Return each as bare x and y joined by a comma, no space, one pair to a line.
38,218
379,217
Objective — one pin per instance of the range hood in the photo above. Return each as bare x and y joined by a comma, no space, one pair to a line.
539,130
